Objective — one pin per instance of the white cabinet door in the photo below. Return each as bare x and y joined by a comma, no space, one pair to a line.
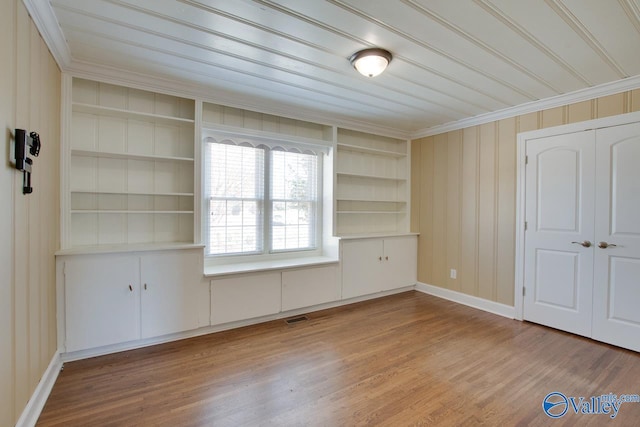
309,286
102,301
400,262
362,267
616,304
172,293
558,274
245,297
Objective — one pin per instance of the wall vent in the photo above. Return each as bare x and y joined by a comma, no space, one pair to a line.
297,319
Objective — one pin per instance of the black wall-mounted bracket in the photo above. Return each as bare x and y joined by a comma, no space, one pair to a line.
24,163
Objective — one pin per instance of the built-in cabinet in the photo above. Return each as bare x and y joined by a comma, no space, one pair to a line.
130,270
247,296
240,297
372,187
372,265
102,301
310,286
116,298
129,175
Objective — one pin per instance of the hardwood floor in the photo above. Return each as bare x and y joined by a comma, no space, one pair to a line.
408,359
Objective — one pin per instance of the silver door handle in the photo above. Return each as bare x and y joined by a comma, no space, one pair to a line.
605,245
586,243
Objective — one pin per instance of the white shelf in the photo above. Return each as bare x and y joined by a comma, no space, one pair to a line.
371,212
131,193
367,176
130,247
108,211
375,235
365,200
127,114
128,156
367,150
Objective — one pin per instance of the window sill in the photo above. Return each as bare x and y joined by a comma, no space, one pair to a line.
253,267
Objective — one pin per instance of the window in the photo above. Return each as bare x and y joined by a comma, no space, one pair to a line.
260,199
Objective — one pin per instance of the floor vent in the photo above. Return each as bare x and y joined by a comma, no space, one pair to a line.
297,319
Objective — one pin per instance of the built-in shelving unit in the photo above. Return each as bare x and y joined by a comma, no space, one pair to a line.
132,212
372,190
130,167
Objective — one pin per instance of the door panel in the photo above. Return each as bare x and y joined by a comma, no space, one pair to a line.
625,209
400,262
309,286
102,301
558,184
243,297
559,210
624,294
171,290
616,317
556,278
362,267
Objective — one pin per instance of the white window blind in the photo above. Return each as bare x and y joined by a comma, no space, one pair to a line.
236,198
260,199
293,200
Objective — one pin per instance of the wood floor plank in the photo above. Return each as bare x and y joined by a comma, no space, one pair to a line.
407,359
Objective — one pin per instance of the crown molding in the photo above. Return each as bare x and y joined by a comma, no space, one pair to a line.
46,22
586,94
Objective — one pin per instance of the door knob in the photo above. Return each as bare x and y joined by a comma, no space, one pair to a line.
586,243
605,245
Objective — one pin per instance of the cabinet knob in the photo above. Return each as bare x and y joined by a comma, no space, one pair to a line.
386,258
379,258
130,288
145,286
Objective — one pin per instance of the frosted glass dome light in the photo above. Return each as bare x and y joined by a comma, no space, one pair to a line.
371,62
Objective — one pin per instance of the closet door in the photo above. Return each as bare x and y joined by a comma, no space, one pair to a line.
558,274
616,305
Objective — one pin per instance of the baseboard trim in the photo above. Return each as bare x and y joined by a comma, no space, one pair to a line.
31,412
468,300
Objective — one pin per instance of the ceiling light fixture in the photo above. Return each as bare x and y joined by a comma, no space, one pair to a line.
371,62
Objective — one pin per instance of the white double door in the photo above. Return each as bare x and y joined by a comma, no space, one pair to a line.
582,244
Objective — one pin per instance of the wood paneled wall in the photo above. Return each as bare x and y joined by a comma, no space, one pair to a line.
29,224
463,197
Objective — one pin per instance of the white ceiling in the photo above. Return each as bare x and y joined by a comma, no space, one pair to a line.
453,59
